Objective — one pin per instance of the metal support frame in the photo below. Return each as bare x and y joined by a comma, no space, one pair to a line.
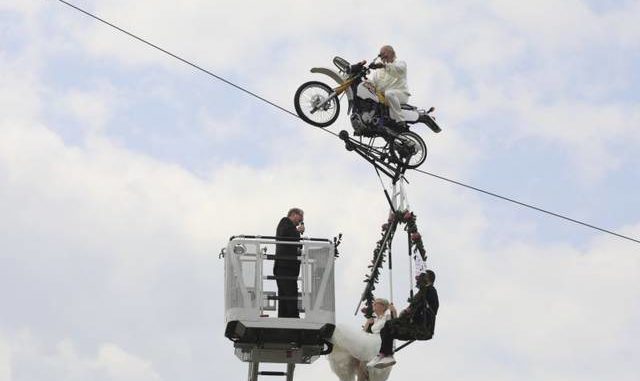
254,371
390,274
384,245
410,265
375,156
399,199
403,346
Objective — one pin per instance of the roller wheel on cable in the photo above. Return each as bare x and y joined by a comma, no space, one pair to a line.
308,100
408,149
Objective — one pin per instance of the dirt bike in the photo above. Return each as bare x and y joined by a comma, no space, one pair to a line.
318,104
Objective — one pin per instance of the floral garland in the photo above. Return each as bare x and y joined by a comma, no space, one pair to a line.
416,245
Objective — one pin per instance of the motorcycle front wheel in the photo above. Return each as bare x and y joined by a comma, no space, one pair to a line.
316,104
408,149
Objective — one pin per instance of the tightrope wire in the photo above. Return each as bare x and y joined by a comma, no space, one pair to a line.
527,205
238,87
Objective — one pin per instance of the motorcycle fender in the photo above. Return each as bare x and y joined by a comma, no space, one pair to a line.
331,73
336,77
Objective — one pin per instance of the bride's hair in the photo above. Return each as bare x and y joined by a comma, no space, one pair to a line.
382,301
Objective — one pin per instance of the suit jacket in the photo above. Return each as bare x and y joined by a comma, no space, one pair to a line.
424,306
287,231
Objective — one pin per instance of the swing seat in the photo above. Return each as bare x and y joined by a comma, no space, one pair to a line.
419,336
423,336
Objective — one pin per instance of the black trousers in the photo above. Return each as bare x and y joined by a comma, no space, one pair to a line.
386,336
287,288
402,329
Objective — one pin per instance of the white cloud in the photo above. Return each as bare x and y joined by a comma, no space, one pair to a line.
123,366
25,6
5,361
91,108
487,41
64,361
18,91
82,197
109,246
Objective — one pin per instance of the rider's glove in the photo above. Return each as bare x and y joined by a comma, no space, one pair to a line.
376,66
355,68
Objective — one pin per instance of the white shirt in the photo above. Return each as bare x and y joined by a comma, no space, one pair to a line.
392,77
379,321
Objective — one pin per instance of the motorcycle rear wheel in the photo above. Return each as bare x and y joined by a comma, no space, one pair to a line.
408,149
307,99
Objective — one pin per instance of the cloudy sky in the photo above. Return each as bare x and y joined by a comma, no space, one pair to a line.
123,172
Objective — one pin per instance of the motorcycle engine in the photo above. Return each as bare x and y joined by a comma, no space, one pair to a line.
369,117
357,123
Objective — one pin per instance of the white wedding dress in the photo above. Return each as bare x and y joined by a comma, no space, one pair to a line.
351,346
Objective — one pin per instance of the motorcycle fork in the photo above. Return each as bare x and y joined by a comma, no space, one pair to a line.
342,88
336,92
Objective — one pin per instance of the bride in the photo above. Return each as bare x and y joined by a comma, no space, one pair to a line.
352,349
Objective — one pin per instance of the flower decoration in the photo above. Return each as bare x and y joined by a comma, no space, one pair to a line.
379,253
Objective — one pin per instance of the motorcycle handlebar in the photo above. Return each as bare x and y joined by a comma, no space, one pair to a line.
359,66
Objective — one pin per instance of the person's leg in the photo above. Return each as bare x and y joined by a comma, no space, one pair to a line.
284,291
385,357
290,292
282,307
394,99
386,336
394,105
293,307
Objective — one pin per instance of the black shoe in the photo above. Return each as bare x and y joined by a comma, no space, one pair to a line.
426,119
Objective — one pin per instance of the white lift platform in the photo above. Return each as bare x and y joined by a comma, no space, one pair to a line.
251,299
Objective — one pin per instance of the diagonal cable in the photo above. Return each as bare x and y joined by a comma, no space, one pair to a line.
177,57
195,66
528,206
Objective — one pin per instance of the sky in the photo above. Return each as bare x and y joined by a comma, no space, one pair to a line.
123,172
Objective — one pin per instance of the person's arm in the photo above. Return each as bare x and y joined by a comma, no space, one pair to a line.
432,299
418,300
357,67
378,323
397,68
286,229
393,313
367,325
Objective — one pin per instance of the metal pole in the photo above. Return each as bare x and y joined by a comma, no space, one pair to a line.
410,266
290,368
390,274
253,371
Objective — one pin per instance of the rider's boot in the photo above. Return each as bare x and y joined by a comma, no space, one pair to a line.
426,119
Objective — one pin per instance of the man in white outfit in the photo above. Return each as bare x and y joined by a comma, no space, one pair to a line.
391,80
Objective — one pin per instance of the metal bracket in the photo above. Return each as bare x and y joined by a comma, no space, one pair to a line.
374,156
399,198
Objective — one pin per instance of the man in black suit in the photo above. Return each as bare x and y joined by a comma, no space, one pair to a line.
416,322
287,264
